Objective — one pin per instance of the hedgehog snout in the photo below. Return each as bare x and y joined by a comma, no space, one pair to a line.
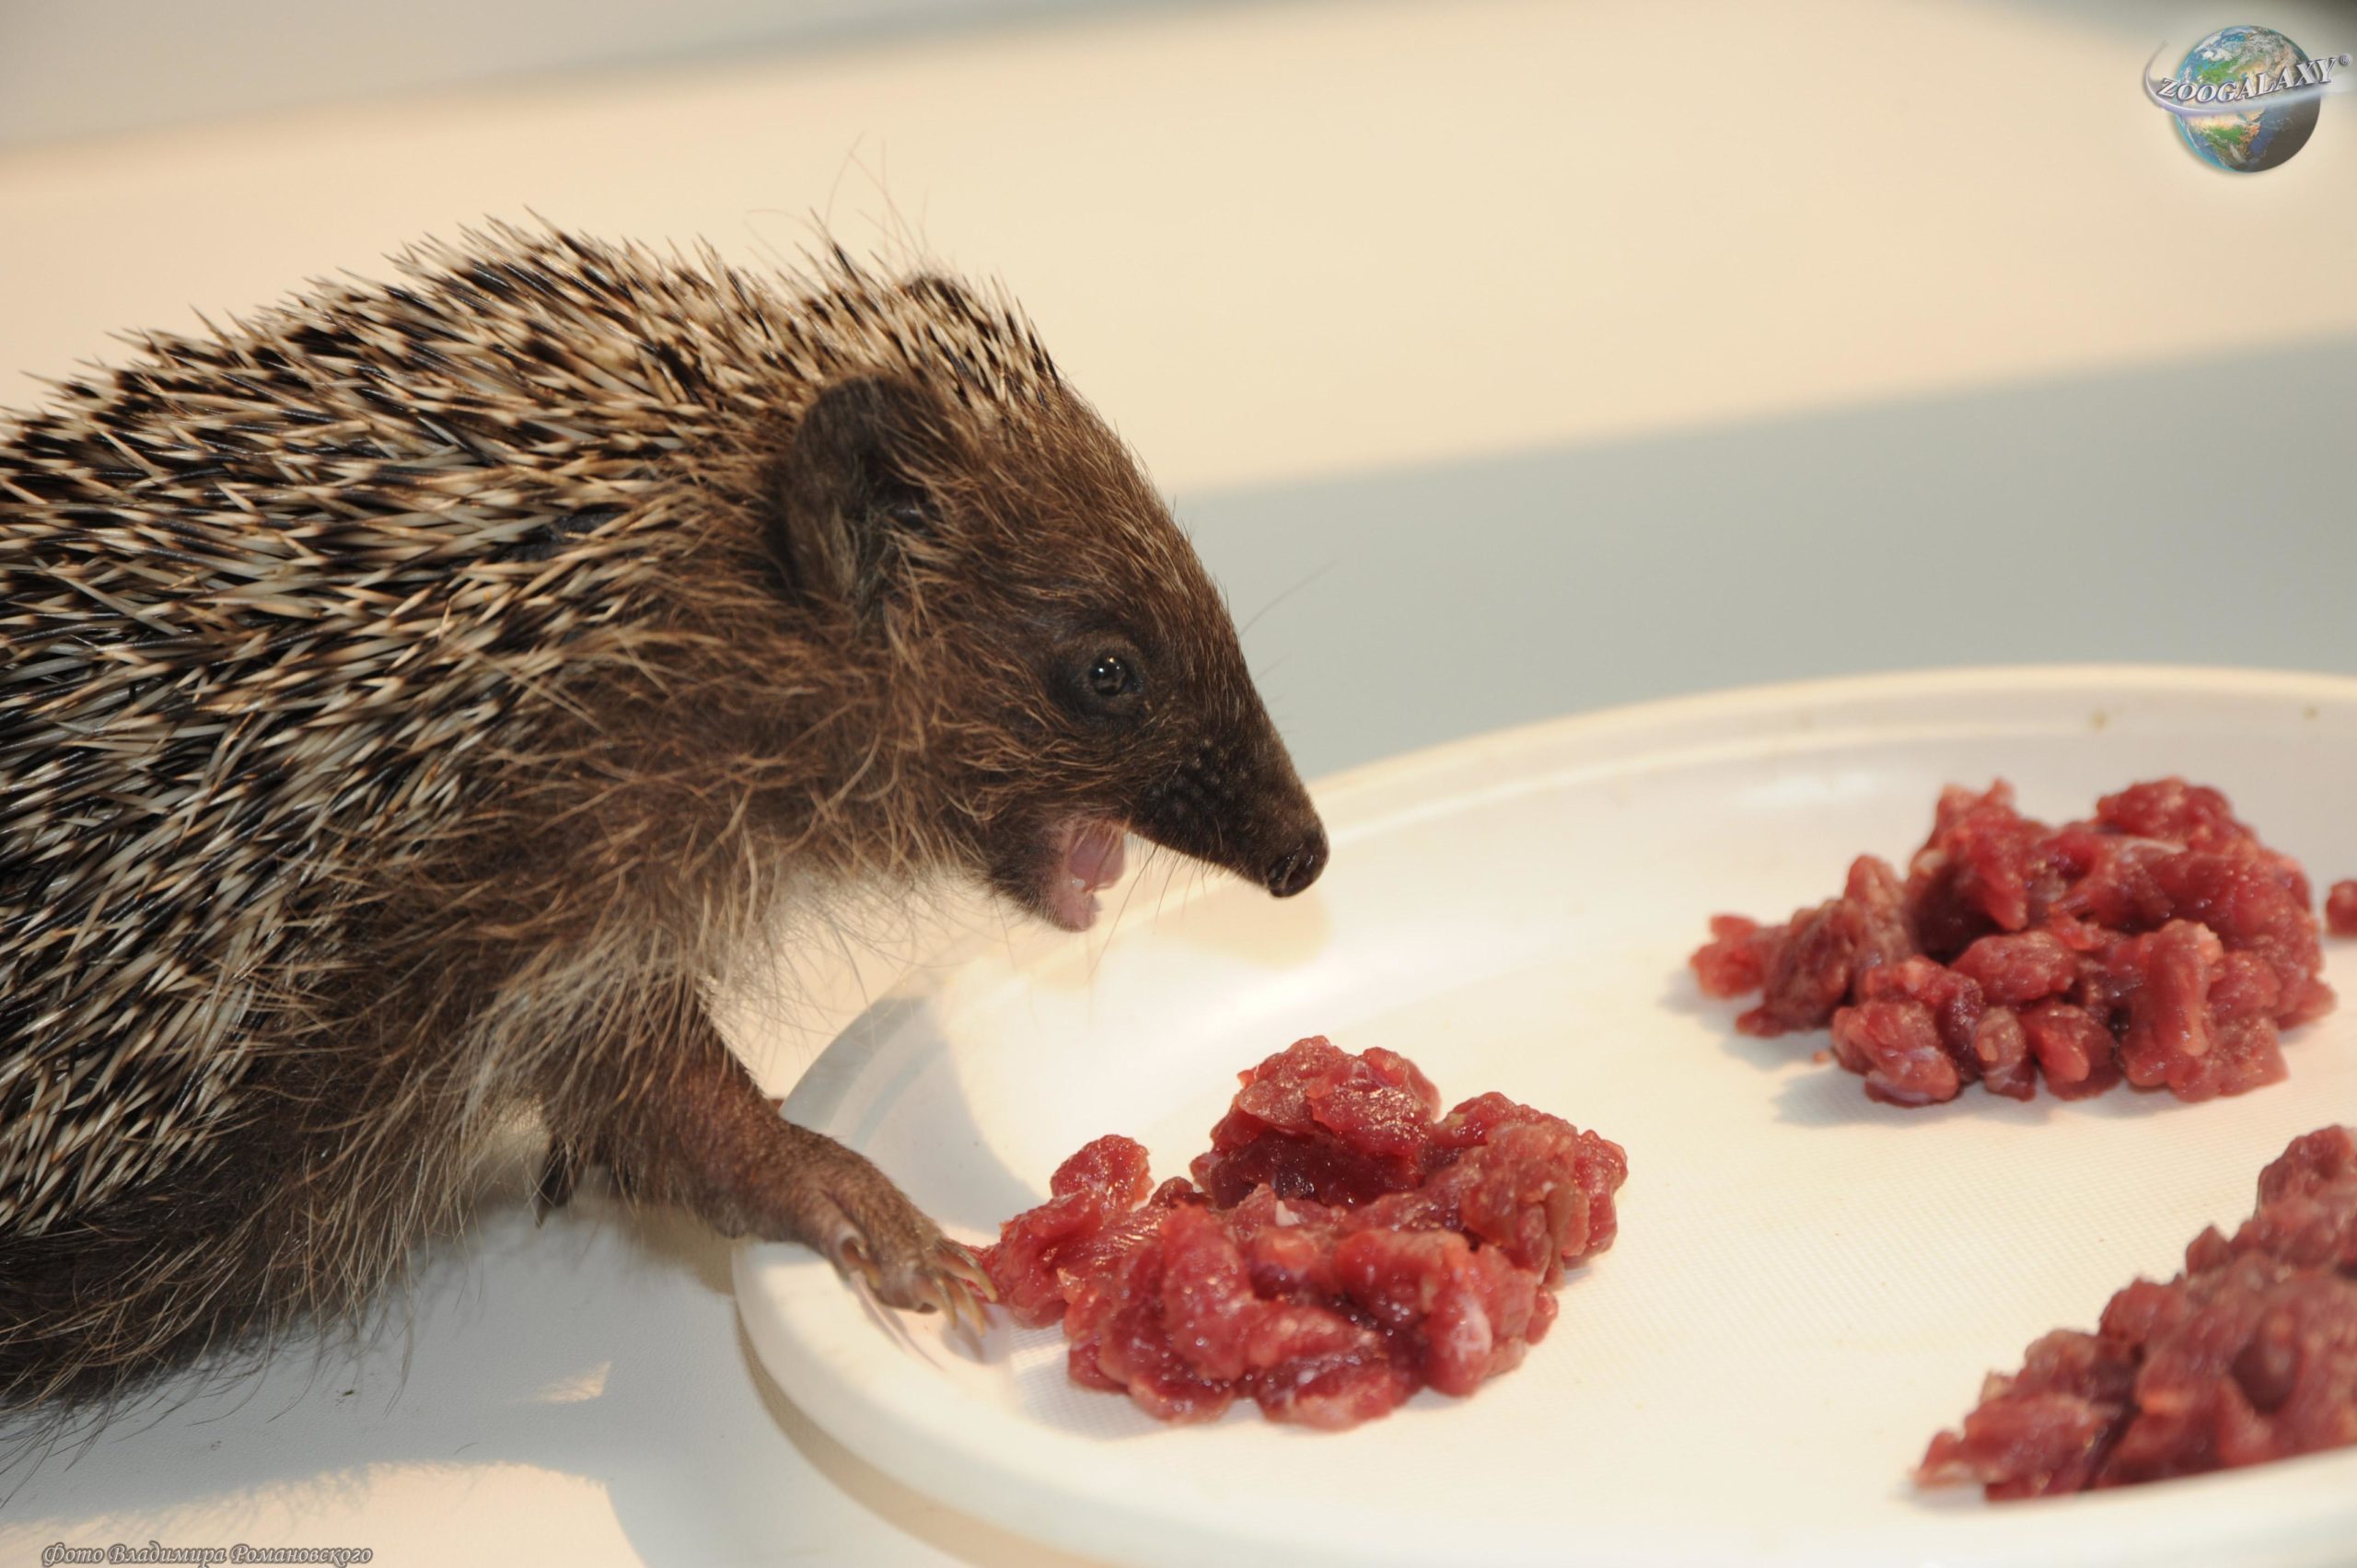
1241,808
1297,868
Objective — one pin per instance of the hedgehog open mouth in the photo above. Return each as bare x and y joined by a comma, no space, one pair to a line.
1086,853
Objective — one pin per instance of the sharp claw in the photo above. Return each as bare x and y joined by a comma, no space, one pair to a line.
967,1318
962,1264
865,1291
954,1283
854,1263
976,1314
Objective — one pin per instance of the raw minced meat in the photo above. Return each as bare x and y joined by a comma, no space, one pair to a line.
1341,1245
2159,942
2341,909
2250,1355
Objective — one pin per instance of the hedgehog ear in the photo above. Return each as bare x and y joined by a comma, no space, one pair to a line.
847,488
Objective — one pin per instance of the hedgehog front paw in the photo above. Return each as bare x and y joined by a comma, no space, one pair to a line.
851,1213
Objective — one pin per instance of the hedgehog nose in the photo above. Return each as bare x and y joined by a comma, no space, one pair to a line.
1299,866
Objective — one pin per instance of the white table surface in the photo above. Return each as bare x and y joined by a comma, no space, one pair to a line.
1506,360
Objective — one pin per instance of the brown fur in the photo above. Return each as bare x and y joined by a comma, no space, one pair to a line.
411,700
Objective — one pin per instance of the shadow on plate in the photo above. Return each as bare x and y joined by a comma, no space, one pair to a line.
957,1537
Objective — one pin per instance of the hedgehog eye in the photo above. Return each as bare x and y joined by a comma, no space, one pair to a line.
1107,681
1110,676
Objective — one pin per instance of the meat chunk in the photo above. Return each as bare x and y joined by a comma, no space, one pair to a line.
2340,917
2158,942
2250,1355
1342,1245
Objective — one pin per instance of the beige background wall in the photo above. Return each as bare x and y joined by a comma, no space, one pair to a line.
1296,239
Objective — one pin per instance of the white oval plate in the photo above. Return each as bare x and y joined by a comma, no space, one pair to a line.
1806,1285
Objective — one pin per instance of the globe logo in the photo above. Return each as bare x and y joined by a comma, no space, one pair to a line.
2246,98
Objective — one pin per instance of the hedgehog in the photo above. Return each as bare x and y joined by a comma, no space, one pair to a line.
412,696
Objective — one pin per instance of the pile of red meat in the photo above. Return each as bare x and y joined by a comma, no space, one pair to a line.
1341,1246
2248,1355
2159,941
